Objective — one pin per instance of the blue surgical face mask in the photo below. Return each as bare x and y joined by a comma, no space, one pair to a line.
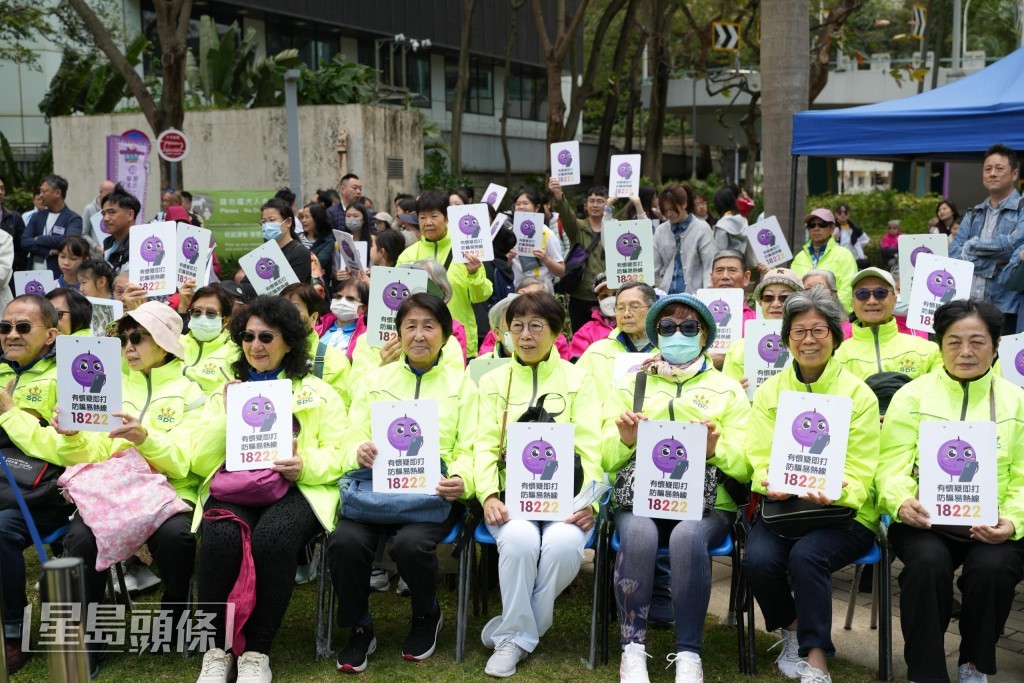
353,223
271,231
678,348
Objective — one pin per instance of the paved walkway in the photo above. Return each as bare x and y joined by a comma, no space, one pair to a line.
860,643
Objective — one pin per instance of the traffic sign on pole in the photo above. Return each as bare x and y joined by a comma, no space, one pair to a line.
920,21
725,36
172,145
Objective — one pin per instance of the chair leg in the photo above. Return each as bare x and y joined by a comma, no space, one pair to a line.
874,599
126,598
192,598
462,610
607,594
853,596
885,672
595,603
324,608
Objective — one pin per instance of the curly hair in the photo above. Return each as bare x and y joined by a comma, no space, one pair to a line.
282,315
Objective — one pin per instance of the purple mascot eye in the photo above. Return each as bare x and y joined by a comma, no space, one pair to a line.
190,248
625,170
402,431
256,410
84,368
808,426
536,456
667,455
152,247
265,268
917,252
940,282
395,294
766,237
769,348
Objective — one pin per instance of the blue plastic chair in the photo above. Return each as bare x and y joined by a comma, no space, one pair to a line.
56,535
881,597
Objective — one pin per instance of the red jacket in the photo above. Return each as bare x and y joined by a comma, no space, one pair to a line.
597,329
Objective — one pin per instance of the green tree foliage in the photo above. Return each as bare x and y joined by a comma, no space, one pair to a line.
86,84
227,74
20,183
338,81
436,174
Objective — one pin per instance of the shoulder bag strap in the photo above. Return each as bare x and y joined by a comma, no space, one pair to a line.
638,391
318,360
504,419
37,541
448,259
992,402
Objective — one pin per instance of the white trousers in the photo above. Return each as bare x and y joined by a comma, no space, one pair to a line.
536,562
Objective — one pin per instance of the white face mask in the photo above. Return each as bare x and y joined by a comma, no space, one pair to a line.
206,329
607,305
344,310
506,341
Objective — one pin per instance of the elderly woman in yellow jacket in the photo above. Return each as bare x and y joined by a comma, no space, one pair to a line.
536,560
992,557
791,576
424,325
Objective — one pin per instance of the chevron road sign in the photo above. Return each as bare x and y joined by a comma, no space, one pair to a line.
725,36
920,21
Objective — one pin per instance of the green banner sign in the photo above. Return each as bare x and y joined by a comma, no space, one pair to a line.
234,218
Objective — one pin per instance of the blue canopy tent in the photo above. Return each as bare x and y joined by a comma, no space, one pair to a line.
957,121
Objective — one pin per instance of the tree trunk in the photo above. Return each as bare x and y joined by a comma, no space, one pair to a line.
659,20
586,86
510,42
749,125
784,66
461,86
554,52
612,100
172,17
825,42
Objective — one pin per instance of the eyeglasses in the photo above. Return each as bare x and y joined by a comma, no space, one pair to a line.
61,314
798,333
771,298
817,224
535,327
689,328
265,337
210,313
632,308
23,327
134,338
880,293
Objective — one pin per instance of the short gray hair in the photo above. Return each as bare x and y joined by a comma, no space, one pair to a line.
650,296
894,223
817,301
730,253
529,280
437,274
829,276
497,312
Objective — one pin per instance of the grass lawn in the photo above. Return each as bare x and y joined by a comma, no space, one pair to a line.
561,655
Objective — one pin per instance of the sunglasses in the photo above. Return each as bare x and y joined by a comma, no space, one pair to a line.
880,293
265,337
817,224
771,298
22,327
134,338
689,328
210,313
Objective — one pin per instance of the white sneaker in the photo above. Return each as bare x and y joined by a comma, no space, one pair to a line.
380,580
633,665
217,667
403,588
809,674
789,659
254,667
502,663
970,674
688,667
487,635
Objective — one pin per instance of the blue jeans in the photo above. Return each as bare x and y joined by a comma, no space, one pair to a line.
792,578
688,543
14,539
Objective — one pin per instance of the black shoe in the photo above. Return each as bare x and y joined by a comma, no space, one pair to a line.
955,614
361,644
422,639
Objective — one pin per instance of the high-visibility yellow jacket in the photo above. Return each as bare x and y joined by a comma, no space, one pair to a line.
886,349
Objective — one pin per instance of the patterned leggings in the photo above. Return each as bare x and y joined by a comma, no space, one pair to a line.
278,532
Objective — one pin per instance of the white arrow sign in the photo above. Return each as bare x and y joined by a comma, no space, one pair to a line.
920,21
726,36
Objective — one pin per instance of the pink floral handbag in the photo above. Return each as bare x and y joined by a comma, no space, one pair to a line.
122,500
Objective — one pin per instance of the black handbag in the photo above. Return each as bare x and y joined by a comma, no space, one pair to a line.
575,266
37,479
795,517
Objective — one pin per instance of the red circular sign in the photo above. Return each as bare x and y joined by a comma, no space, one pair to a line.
172,145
